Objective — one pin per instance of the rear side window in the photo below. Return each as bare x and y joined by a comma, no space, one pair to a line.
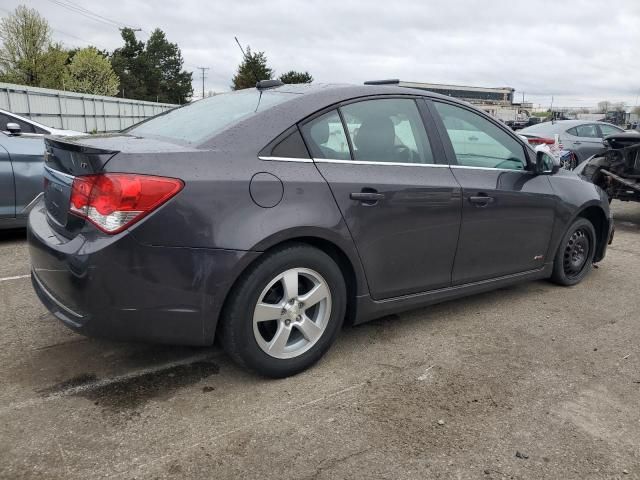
477,142
588,131
325,137
292,146
388,130
609,129
200,120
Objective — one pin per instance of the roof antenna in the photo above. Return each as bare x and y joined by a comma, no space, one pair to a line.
241,49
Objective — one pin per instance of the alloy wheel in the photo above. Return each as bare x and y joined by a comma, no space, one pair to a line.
292,313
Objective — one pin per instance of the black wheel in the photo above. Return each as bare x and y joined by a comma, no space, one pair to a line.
285,311
574,258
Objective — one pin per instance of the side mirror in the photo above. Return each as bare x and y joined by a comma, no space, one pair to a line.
546,163
13,128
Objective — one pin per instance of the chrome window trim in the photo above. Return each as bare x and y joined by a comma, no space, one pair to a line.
490,168
285,159
390,164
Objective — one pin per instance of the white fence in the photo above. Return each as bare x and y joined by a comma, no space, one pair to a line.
76,111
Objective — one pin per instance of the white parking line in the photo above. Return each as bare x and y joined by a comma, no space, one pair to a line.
17,277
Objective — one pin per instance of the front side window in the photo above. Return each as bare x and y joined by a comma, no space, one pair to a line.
325,137
477,142
388,130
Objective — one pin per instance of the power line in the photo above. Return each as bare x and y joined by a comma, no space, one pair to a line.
203,69
69,5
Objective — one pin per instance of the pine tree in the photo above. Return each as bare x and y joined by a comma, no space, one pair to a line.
296,77
252,69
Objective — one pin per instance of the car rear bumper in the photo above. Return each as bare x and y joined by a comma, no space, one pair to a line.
116,287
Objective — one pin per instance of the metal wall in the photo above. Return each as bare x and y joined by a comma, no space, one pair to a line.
76,111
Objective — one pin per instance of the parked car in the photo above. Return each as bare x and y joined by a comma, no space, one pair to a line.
269,215
581,137
28,126
21,177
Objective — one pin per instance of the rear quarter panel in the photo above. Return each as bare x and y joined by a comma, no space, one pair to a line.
215,209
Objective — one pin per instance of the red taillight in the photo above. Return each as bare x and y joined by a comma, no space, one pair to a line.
115,201
540,141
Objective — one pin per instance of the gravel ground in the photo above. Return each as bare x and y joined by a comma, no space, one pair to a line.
532,381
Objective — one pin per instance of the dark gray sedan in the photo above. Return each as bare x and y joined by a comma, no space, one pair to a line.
268,216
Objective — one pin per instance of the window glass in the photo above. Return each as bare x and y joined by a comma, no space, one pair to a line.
389,130
24,126
326,138
609,129
291,147
479,143
200,120
588,130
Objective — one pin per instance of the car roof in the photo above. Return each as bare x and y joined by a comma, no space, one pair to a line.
558,126
307,100
346,91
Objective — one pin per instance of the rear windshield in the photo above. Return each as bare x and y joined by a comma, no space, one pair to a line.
202,119
544,127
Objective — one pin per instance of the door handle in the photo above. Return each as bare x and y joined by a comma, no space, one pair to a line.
367,197
481,200
577,143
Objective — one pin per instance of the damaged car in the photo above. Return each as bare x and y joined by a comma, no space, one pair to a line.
617,169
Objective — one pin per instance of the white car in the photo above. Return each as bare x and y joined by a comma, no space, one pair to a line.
30,127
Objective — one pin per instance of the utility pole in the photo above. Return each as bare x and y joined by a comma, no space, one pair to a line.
204,69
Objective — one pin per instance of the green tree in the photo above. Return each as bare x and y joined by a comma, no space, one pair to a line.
296,77
165,79
90,72
54,67
129,64
252,69
151,71
25,38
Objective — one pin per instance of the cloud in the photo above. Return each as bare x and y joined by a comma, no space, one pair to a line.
580,52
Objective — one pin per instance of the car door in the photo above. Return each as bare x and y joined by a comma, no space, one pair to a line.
508,211
585,140
7,186
26,153
396,193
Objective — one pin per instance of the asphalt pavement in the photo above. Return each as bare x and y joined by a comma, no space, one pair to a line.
527,382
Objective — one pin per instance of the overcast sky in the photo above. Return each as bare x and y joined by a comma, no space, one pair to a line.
580,52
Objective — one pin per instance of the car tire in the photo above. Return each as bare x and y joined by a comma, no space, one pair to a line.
574,258
255,340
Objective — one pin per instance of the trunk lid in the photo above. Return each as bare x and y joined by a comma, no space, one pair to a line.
69,157
65,159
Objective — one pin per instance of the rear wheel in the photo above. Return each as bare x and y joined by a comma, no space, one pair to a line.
574,258
285,311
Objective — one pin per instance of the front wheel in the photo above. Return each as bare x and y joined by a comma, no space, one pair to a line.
574,258
285,311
